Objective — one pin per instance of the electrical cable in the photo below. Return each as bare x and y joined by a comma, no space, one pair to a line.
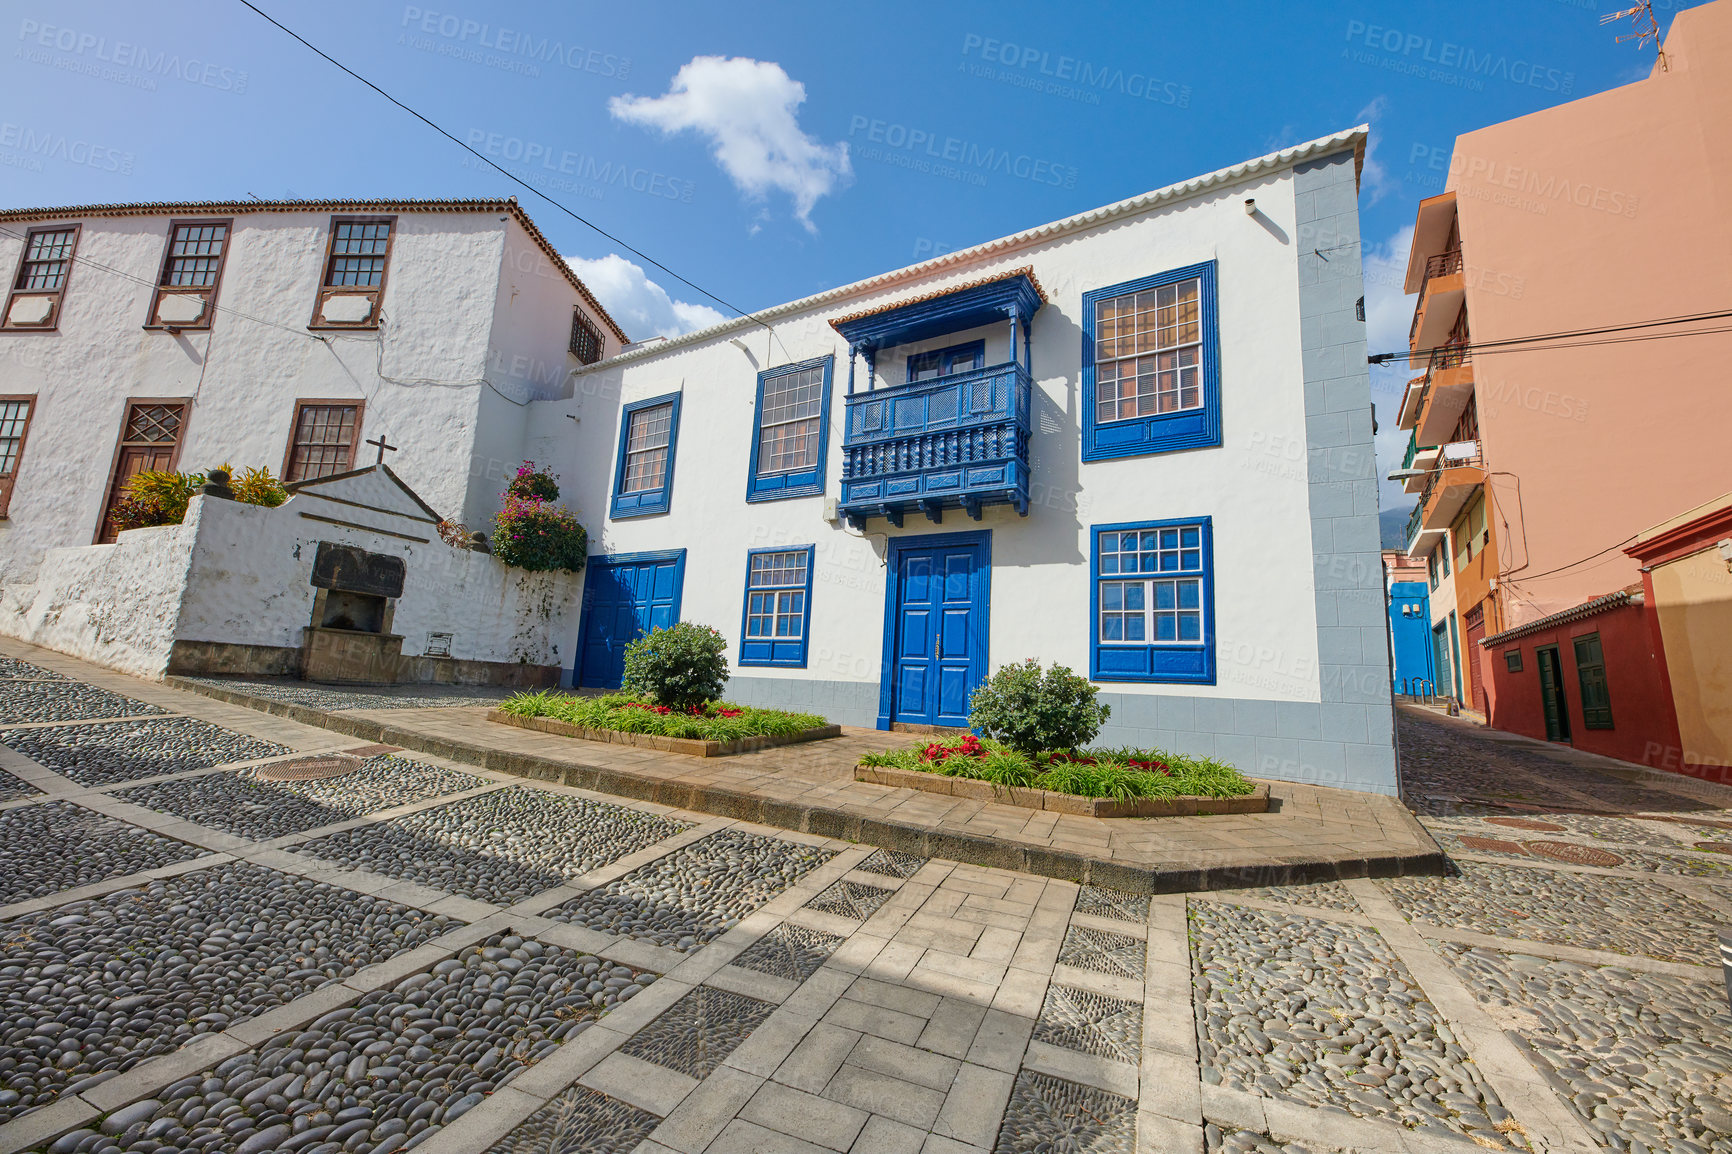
497,168
1515,343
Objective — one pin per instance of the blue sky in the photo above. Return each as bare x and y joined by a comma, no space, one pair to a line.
824,143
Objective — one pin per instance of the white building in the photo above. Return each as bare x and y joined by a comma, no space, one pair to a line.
283,334
1137,441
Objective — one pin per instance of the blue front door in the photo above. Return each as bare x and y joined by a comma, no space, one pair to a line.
939,625
624,597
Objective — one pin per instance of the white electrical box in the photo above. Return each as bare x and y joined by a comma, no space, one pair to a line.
832,508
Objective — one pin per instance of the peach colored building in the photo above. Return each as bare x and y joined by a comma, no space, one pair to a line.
1550,432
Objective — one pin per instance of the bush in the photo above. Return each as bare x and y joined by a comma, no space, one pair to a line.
158,498
682,666
531,534
1031,711
531,482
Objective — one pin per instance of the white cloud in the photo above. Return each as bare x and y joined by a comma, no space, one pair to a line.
1388,314
749,111
1373,176
642,307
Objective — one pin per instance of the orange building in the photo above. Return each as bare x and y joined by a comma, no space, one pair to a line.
1561,405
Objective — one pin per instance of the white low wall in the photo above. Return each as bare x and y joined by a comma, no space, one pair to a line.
241,574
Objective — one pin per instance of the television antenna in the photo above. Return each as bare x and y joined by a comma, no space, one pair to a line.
1645,28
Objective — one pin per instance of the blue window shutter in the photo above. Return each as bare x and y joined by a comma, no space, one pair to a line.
1168,432
645,502
1178,662
766,648
805,482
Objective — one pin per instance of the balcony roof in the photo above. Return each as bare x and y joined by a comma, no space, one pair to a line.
948,310
1430,234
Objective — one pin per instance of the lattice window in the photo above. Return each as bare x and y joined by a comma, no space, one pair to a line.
789,424
586,342
14,420
148,424
47,260
648,433
195,253
358,250
324,442
1148,352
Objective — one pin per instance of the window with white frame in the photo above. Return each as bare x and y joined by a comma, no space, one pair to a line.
1148,352
646,448
1154,620
788,433
778,594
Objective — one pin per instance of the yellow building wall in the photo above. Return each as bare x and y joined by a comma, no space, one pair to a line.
1693,598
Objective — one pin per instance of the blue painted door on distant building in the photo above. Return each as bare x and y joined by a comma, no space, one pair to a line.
624,597
936,627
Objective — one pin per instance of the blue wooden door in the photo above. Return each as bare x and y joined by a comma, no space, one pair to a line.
624,598
940,651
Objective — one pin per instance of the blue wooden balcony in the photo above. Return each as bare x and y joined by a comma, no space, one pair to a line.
955,442
959,441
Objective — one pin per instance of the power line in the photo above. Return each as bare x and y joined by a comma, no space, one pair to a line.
502,171
124,275
1573,564
1516,344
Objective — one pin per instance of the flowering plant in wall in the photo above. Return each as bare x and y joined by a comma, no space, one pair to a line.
531,532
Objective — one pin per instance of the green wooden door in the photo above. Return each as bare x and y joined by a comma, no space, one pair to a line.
1552,695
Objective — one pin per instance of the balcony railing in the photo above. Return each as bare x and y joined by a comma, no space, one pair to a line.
958,441
1443,264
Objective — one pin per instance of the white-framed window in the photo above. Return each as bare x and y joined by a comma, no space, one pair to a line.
1163,602
648,433
776,595
1148,352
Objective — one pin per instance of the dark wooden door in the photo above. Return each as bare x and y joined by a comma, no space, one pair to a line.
149,440
1475,622
1552,700
940,632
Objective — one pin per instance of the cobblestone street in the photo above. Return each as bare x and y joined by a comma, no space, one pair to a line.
416,954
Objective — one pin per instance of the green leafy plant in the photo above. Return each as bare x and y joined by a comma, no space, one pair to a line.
257,487
629,713
1115,773
680,666
531,534
154,497
1032,710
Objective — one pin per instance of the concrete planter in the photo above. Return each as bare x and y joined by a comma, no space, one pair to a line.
1256,801
690,746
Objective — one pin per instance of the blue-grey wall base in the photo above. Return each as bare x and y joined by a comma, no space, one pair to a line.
843,702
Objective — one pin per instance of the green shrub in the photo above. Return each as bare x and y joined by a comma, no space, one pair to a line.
681,666
531,534
531,482
154,497
1031,710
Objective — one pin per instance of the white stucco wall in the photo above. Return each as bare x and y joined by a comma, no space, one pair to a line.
241,574
1262,556
455,303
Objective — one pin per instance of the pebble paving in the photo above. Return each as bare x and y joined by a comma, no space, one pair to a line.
789,951
315,697
1218,1140
1622,830
1321,896
891,864
1644,1059
581,1121
59,845
402,1062
91,988
11,667
1103,952
12,788
851,900
692,896
1049,1115
697,1033
1323,1013
117,751
33,701
1110,903
1510,843
1592,911
1091,1022
244,803
497,847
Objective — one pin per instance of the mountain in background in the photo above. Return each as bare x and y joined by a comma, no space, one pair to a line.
1392,527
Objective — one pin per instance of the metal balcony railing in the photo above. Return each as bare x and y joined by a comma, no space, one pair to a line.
1443,264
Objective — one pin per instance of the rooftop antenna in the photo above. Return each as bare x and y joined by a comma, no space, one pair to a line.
1645,28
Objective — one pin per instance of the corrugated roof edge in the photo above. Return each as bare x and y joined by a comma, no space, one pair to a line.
236,207
1323,146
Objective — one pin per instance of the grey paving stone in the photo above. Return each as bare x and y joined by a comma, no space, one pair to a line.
331,699
1323,1014
116,751
65,701
1103,952
1226,1140
100,985
580,1121
1644,1059
402,1061
790,951
1592,911
697,1033
1102,902
498,847
12,788
1091,1023
695,894
58,845
243,802
851,900
1047,1115
892,864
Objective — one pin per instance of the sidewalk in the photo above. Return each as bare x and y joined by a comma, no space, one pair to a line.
1312,833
